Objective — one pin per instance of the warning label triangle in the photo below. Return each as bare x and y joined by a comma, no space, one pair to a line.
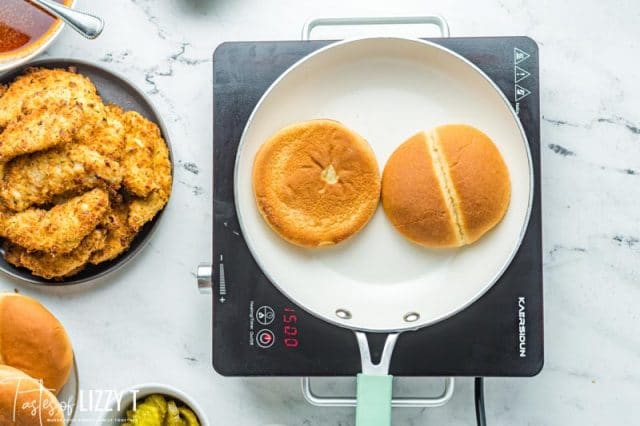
519,55
520,74
521,93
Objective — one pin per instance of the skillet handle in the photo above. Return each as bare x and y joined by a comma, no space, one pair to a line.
436,20
374,400
374,388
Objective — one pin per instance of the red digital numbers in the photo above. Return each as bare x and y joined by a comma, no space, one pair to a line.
290,342
289,318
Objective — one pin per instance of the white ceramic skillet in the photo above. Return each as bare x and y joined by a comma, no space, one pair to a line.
386,89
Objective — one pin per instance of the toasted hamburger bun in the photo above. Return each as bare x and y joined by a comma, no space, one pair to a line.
34,341
24,401
316,183
446,187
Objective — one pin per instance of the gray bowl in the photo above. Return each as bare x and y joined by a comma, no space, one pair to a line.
116,89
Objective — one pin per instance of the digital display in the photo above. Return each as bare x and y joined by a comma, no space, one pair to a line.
290,328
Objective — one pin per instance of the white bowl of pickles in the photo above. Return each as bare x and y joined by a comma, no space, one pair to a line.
152,404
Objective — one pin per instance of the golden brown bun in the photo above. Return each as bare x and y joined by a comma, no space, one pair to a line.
413,198
34,341
25,402
316,183
479,178
447,187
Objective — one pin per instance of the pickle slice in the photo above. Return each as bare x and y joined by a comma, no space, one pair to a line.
189,416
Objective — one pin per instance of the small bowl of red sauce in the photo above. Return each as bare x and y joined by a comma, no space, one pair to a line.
25,31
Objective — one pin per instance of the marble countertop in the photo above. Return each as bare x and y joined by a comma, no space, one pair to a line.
148,323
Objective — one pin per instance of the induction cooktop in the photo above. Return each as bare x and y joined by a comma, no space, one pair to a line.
257,331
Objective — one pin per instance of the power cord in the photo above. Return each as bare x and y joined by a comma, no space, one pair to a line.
481,418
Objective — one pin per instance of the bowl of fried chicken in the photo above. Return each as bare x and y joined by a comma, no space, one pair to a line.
85,172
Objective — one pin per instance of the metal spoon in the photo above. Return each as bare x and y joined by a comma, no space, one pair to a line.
88,25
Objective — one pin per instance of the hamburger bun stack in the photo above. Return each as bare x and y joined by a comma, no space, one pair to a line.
36,358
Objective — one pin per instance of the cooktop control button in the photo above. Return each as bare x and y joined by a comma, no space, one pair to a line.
204,276
265,315
265,338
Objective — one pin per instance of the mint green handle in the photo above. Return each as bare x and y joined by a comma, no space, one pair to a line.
374,400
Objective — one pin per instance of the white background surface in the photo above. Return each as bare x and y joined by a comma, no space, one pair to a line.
148,322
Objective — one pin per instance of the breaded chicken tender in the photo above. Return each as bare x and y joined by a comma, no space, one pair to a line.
142,210
40,87
4,215
141,138
37,178
119,234
103,167
51,266
59,230
108,134
162,169
40,129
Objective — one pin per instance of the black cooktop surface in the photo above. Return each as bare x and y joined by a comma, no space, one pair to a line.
258,331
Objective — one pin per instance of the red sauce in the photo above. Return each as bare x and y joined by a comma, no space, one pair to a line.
22,24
